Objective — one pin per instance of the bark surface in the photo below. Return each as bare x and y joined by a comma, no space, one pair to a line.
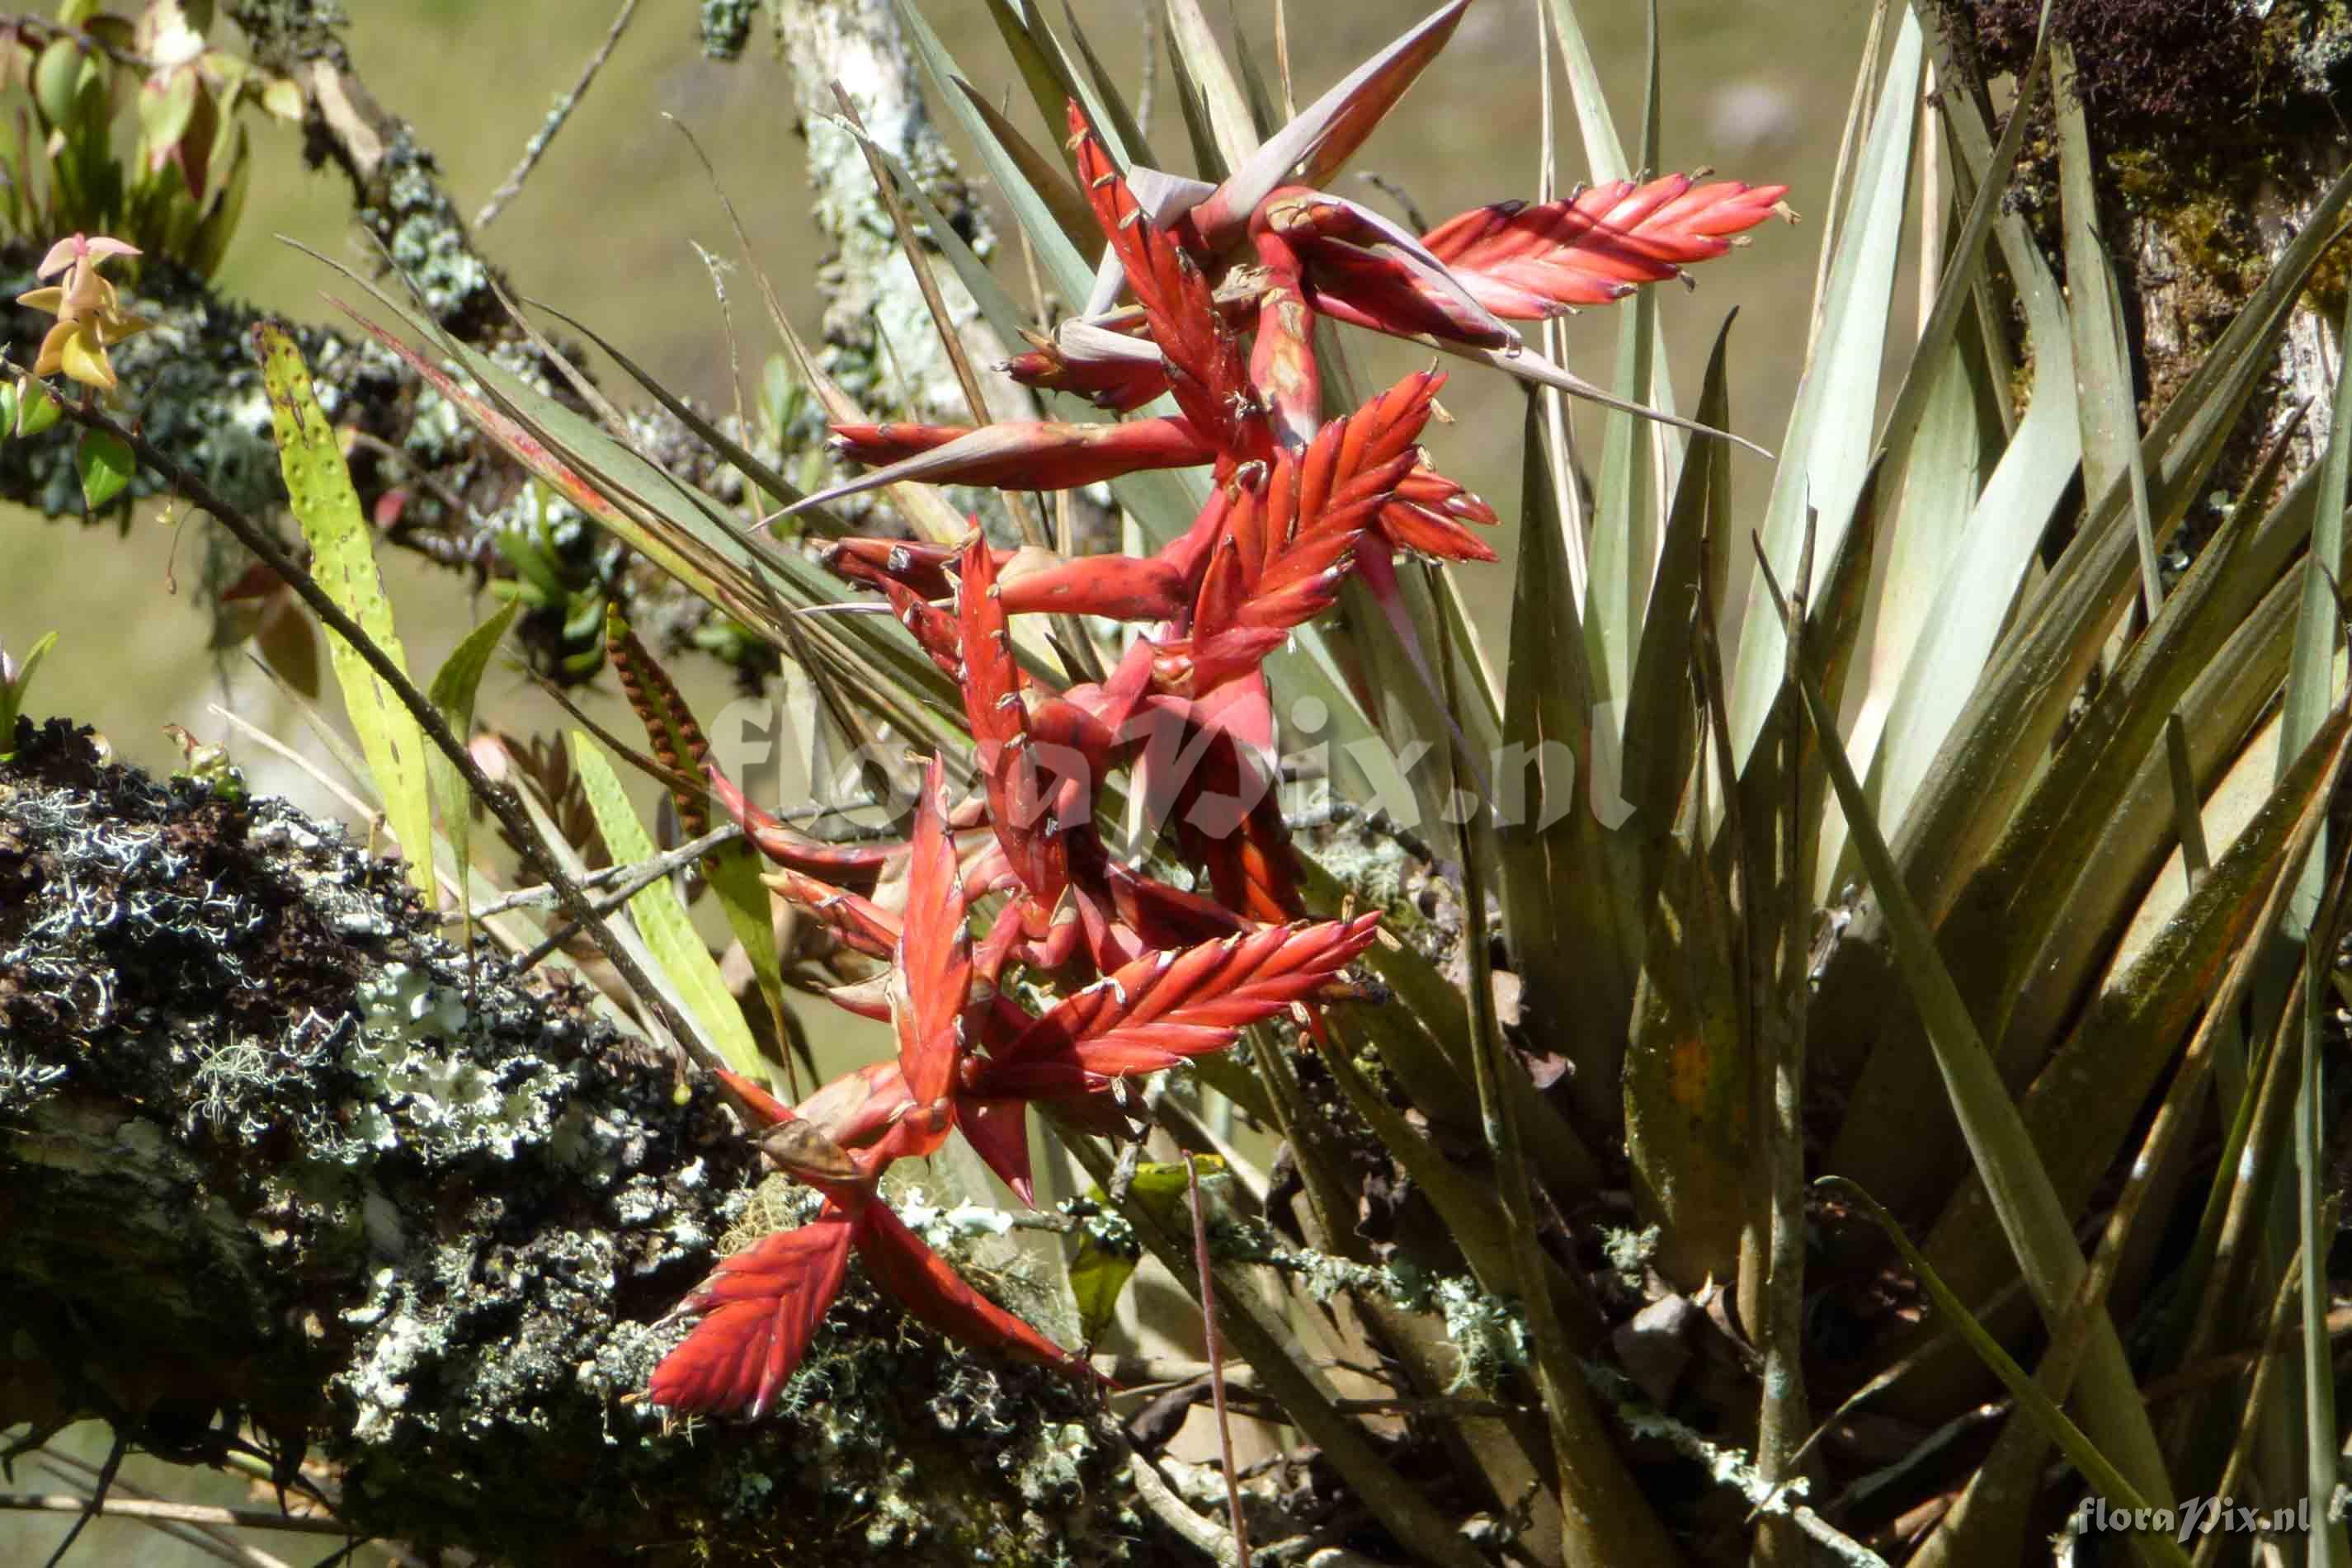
272,1151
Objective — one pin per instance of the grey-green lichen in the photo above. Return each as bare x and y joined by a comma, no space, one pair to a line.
727,26
271,1150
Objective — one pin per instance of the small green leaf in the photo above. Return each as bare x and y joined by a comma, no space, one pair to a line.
13,680
36,409
1097,1275
733,871
56,77
165,107
106,465
1101,1268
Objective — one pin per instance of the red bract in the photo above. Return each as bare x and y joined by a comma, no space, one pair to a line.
1599,245
1228,283
967,1057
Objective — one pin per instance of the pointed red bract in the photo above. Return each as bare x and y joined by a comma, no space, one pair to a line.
1525,262
759,1313
1020,803
934,961
1169,1005
930,1291
1209,375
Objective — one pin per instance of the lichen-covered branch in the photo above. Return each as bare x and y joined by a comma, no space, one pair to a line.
272,1153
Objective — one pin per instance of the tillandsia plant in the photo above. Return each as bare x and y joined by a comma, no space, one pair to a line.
1837,840
1300,502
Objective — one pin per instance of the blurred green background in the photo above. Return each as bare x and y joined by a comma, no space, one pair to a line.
605,229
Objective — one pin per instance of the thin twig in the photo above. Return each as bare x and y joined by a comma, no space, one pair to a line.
1216,1356
499,802
48,28
91,1507
668,860
642,874
536,147
1726,1466
208,1537
177,1512
1396,193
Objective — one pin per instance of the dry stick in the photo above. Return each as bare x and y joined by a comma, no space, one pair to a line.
213,1538
536,147
1215,1352
187,1533
1725,1467
176,1513
498,801
1153,1492
638,872
642,875
91,1507
2236,1363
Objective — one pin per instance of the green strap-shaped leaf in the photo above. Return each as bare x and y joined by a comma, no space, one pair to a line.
1828,447
454,687
660,914
2313,672
733,871
318,486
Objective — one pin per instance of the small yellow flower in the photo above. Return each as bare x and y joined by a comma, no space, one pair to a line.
89,317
